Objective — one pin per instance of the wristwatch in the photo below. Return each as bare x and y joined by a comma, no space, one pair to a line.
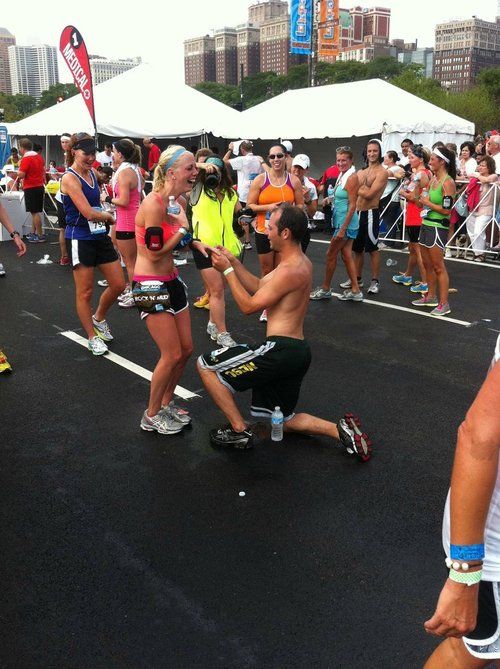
13,234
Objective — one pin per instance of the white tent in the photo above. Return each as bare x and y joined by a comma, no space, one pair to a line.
372,108
142,102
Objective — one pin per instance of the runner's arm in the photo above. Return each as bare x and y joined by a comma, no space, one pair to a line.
298,193
72,187
449,189
126,185
474,474
379,183
351,187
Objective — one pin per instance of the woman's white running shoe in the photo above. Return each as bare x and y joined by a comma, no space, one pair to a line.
97,346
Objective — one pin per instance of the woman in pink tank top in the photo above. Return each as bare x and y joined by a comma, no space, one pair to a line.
127,186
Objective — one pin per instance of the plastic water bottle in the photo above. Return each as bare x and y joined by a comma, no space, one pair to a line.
277,424
330,191
391,263
173,207
425,210
413,183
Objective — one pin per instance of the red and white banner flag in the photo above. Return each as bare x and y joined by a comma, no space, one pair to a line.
74,52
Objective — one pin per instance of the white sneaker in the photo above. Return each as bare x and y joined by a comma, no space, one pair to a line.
101,328
212,330
374,288
2,271
126,293
161,423
349,295
97,346
103,283
176,413
263,316
126,302
225,339
347,284
447,253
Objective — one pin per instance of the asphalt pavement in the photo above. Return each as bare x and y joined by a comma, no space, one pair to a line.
127,549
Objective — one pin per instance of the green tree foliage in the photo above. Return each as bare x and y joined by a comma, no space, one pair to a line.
490,79
51,96
229,95
17,106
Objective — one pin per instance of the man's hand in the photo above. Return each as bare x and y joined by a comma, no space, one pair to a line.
219,260
223,251
231,146
456,610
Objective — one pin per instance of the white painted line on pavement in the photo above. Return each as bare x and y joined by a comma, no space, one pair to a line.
405,252
131,366
414,312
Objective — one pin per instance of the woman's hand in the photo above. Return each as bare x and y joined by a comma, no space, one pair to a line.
21,246
103,196
220,260
456,610
204,249
340,234
424,200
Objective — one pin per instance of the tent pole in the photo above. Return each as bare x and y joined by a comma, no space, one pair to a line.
47,147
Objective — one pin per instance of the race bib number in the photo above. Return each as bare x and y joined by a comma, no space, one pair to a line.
97,227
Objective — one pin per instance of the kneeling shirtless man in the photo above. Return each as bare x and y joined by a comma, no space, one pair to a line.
273,370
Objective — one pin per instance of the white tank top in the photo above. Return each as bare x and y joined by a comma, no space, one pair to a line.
491,564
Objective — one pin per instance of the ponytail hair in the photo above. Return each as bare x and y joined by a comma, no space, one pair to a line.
130,151
449,163
69,155
168,160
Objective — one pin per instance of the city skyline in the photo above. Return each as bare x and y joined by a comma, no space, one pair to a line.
123,39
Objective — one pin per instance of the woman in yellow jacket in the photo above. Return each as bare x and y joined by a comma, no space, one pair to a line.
214,204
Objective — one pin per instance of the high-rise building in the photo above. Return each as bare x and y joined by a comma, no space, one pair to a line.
103,69
275,53
225,56
248,50
424,57
463,49
199,60
364,33
6,40
264,11
33,69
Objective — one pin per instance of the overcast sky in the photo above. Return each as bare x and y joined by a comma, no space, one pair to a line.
131,28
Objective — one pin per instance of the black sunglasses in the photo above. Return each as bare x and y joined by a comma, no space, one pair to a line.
273,156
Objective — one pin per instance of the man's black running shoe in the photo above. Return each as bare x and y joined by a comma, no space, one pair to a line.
226,436
353,439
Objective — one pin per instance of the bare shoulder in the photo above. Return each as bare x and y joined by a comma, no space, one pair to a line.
295,181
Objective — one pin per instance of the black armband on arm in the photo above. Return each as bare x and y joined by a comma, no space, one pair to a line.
154,238
447,202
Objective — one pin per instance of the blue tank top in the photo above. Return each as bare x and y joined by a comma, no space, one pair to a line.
340,208
77,226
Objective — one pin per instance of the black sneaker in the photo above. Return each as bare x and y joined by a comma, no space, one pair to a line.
226,436
353,439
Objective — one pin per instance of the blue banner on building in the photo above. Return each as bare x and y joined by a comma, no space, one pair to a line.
301,19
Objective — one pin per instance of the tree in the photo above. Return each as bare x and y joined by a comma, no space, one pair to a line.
51,96
228,95
384,67
17,106
490,80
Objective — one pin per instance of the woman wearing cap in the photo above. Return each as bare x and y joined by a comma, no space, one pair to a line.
434,231
87,242
127,184
300,165
158,291
267,191
214,205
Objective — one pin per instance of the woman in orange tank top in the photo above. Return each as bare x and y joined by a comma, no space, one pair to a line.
267,191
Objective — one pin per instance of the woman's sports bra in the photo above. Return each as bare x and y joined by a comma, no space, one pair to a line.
169,229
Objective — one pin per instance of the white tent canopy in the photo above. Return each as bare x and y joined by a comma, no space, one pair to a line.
142,102
361,108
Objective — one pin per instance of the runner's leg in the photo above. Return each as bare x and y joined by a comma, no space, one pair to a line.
116,284
183,325
223,397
